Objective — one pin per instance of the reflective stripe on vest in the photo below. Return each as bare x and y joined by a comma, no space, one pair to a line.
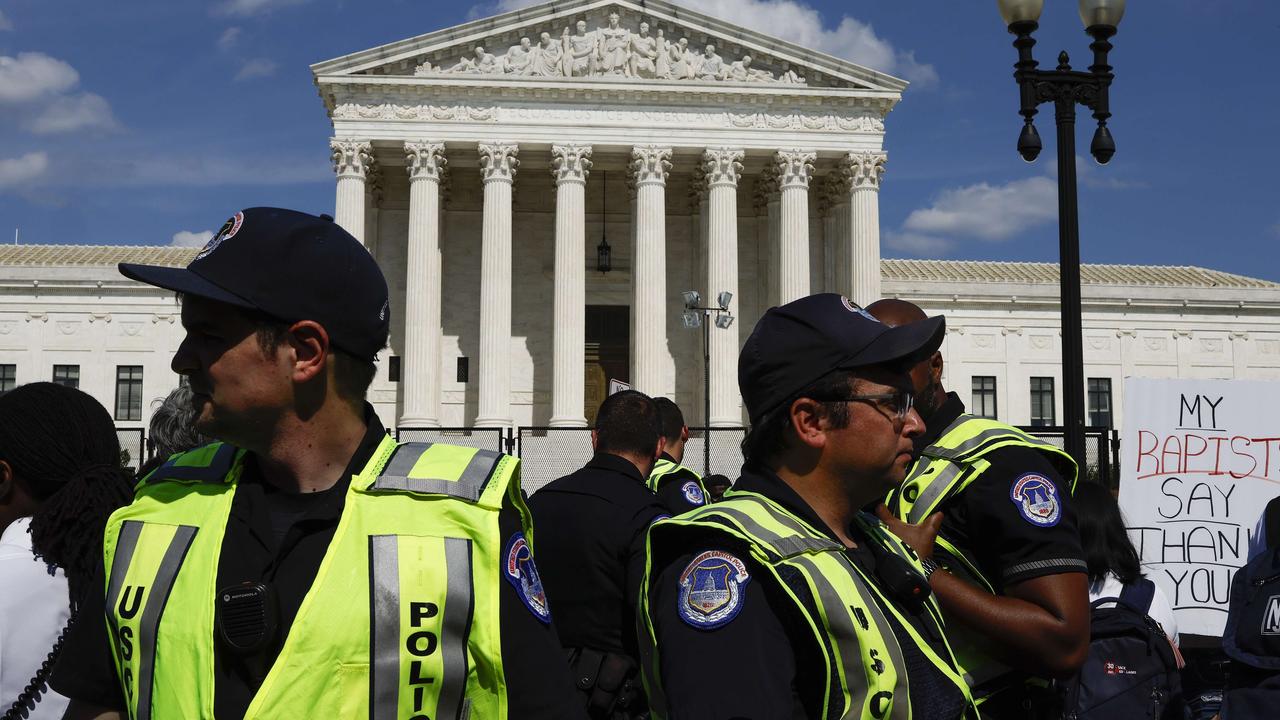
664,467
956,459
944,470
842,605
386,629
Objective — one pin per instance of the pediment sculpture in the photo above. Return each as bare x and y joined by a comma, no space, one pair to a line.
612,51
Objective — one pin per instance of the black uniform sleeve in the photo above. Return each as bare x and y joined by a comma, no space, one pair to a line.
673,495
637,529
745,668
1021,520
537,672
85,670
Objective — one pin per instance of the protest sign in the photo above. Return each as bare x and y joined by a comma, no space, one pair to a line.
1199,461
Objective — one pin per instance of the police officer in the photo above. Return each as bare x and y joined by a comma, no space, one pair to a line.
678,487
591,529
1013,584
785,600
308,565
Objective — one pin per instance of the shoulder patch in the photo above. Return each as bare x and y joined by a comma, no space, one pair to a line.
520,571
659,516
712,589
1036,498
693,493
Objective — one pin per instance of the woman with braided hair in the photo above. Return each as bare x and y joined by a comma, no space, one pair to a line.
60,478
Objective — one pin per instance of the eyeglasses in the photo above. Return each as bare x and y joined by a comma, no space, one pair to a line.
898,403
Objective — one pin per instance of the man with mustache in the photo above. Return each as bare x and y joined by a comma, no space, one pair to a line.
785,599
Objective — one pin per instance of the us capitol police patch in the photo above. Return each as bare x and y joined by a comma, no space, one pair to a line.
523,576
712,589
1036,498
693,493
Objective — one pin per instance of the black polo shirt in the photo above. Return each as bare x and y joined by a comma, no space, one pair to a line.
590,541
985,522
280,538
672,490
763,663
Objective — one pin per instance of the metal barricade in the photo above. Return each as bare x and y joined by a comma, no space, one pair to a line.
547,453
1100,448
133,447
496,439
725,456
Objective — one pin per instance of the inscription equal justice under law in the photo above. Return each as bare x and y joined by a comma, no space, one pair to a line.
1201,527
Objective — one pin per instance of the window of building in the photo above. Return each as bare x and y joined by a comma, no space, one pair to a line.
128,392
984,396
68,375
393,368
8,377
1100,402
1042,408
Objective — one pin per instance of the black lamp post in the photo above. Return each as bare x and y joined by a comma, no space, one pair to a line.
1065,88
695,316
604,253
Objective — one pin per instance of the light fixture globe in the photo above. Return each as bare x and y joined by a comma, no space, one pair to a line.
1017,11
1101,13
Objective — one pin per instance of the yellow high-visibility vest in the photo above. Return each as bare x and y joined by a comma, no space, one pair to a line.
664,468
401,620
944,470
843,606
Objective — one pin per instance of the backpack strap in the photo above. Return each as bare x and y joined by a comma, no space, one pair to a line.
1139,595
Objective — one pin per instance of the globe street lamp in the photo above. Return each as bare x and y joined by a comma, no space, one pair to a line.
1065,88
695,317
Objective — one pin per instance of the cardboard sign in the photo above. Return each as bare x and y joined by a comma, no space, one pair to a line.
1199,461
617,386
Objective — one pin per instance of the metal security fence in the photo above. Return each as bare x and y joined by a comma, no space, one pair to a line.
496,439
725,444
133,446
548,453
1101,447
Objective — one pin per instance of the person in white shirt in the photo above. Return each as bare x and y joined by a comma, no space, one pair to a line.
1113,561
60,478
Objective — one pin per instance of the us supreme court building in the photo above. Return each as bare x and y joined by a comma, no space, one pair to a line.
541,186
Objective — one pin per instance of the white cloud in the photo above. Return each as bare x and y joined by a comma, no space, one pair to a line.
988,212
256,68
85,111
1275,229
33,75
916,244
800,23
228,38
4,22
248,8
186,238
19,171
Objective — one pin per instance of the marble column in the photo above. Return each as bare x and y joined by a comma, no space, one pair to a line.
649,167
794,169
766,198
863,169
723,167
352,162
420,371
570,165
498,164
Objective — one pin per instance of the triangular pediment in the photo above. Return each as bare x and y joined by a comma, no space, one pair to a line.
580,41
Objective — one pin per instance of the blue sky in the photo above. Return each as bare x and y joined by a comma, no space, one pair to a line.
148,123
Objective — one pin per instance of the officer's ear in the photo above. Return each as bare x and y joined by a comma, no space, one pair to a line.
595,438
312,354
935,367
662,447
808,422
684,433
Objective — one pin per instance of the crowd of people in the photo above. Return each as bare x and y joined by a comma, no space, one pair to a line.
882,554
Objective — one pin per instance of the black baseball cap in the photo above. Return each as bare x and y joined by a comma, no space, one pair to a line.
291,266
796,344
